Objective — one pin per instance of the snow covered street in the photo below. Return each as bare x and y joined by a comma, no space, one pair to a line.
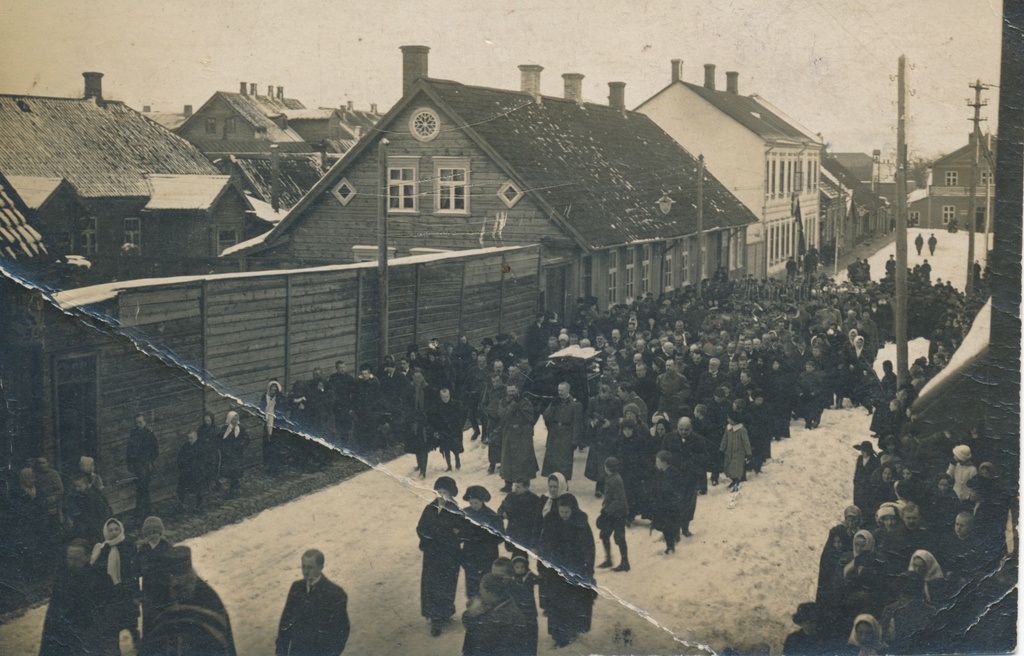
752,558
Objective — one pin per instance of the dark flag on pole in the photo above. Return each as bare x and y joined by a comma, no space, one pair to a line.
801,242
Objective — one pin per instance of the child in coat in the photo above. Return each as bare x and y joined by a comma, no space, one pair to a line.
614,512
523,583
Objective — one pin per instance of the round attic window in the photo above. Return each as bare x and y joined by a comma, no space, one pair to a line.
425,124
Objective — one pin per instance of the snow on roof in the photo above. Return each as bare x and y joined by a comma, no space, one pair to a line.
309,114
185,192
258,239
34,190
72,298
974,343
266,212
917,195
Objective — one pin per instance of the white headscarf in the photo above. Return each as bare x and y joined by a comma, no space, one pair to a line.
563,487
232,430
114,557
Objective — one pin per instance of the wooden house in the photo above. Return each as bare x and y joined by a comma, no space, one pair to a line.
116,190
948,193
609,196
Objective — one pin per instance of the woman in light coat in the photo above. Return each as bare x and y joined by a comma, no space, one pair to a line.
735,450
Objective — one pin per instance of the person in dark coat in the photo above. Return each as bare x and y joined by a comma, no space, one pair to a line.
809,640
439,529
614,513
523,583
758,430
342,387
867,463
670,496
636,461
196,622
489,404
567,541
368,409
919,243
191,470
445,420
521,511
564,421
812,395
141,452
315,617
87,510
273,405
932,243
602,425
495,626
74,617
152,568
234,438
516,419
419,439
209,442
481,537
116,558
840,541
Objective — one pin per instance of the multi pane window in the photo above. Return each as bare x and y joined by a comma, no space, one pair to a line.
667,281
630,267
986,178
452,185
229,124
645,269
684,265
226,239
613,276
951,178
89,236
403,187
948,213
133,232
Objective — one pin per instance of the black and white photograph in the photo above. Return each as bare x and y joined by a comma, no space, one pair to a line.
516,328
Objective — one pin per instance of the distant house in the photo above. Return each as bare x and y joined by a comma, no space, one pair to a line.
852,212
609,195
874,172
115,189
765,158
947,195
19,241
273,192
170,120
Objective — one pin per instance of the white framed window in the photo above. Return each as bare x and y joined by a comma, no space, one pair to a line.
782,178
451,185
403,184
951,178
613,276
986,178
667,281
948,213
630,269
773,178
88,246
344,191
798,176
913,218
510,193
226,238
645,269
133,232
684,265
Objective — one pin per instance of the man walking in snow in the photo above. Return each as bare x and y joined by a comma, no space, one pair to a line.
315,617
919,243
932,243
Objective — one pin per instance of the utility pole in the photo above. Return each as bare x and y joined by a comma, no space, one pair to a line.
700,226
902,369
973,201
382,242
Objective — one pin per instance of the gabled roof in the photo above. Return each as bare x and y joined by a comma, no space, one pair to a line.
967,150
861,165
751,114
169,120
862,194
104,150
259,112
34,191
599,172
18,239
297,175
186,192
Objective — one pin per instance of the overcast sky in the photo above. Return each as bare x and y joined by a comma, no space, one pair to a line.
830,64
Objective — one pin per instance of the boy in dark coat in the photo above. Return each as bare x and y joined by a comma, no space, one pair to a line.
480,537
614,512
669,494
523,583
521,511
494,623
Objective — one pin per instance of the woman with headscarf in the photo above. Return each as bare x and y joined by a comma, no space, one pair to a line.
87,466
439,529
863,572
924,563
867,463
273,404
866,636
962,470
838,543
233,441
567,544
480,538
116,557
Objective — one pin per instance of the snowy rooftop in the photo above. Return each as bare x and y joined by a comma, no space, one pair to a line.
34,190
185,192
917,194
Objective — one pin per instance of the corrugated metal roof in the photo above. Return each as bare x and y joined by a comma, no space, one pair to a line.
748,112
604,170
34,191
259,111
862,194
103,151
213,147
185,192
168,120
298,174
18,239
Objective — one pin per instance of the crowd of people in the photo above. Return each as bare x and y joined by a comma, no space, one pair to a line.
666,395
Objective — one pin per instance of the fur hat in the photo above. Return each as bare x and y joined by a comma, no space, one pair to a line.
446,483
476,492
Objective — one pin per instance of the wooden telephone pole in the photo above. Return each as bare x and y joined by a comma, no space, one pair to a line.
382,244
973,189
700,226
902,368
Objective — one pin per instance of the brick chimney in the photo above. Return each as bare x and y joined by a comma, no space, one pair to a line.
373,108
280,93
270,91
94,86
617,95
252,88
414,65
350,105
573,87
242,88
188,110
146,109
709,76
732,82
529,80
677,70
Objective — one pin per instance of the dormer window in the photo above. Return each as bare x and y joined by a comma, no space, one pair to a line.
344,191
510,193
